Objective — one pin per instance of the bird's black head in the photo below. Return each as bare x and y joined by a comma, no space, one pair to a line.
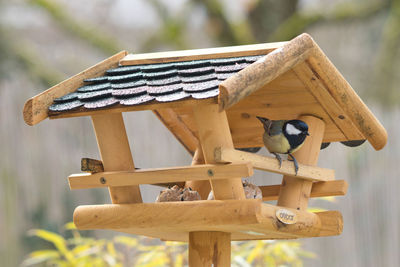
296,132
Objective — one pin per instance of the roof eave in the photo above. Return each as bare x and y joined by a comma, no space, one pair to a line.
36,108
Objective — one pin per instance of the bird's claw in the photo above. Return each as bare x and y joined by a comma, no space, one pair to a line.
296,165
279,159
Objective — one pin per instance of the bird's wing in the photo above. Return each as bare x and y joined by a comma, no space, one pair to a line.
276,127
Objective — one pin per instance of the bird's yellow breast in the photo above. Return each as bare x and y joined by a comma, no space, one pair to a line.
277,143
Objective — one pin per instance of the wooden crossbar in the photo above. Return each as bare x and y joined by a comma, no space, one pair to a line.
270,164
319,189
162,175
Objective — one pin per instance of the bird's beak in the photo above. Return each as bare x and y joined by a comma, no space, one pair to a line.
307,133
261,119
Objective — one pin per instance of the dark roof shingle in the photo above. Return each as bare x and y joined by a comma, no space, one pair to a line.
160,82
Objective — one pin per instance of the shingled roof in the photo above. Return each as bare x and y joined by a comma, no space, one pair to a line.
159,82
275,80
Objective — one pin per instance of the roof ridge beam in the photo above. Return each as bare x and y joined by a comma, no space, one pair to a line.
197,54
263,71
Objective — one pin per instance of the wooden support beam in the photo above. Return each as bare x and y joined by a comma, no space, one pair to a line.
196,54
319,189
209,249
201,186
36,108
162,175
250,218
213,130
295,193
116,154
270,164
178,128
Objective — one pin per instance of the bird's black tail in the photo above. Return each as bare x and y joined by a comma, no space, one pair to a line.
266,123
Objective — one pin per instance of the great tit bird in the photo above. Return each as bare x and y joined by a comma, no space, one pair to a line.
284,137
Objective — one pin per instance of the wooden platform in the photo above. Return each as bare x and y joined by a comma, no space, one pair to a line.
244,219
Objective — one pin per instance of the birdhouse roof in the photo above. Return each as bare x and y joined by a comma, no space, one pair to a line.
275,80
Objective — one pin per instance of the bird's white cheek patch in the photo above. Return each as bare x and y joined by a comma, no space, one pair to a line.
290,129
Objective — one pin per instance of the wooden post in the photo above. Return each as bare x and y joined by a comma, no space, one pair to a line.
294,193
209,249
116,154
214,248
202,187
213,129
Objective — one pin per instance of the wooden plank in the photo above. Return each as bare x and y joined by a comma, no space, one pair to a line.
153,105
91,165
295,193
319,189
178,128
209,249
252,218
270,164
319,91
195,54
116,154
202,187
213,131
348,99
162,175
36,108
253,77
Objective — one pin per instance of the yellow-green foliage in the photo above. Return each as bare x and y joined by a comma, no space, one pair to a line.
146,252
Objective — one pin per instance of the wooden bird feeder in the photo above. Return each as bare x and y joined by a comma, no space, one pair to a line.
209,100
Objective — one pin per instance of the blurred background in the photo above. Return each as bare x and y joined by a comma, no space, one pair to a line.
42,42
